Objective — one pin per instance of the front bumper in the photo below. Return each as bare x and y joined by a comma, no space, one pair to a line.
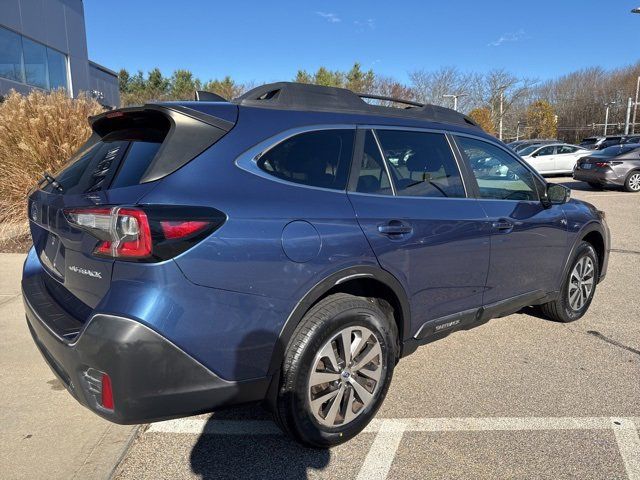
597,175
152,379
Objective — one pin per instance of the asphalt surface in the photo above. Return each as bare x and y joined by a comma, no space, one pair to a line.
519,397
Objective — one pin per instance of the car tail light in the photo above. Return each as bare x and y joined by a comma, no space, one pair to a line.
148,233
601,164
107,392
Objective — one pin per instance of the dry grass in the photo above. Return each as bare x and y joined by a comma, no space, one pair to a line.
38,132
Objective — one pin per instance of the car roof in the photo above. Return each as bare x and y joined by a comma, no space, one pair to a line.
317,98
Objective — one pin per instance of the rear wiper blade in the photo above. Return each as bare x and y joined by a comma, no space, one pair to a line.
52,181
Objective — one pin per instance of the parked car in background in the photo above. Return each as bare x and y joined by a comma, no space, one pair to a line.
522,144
289,246
617,166
631,139
553,159
601,142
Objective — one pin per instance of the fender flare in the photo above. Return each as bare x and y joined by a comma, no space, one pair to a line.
592,226
321,288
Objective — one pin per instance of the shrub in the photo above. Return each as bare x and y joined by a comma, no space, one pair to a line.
38,132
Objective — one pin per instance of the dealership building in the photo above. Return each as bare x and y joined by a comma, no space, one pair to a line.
43,45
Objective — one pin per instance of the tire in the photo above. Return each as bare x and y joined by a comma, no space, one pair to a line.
322,326
567,307
595,185
632,183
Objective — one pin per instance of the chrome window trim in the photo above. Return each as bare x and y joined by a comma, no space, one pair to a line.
444,133
248,160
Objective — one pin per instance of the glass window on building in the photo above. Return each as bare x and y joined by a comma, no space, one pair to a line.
11,56
35,63
25,61
57,69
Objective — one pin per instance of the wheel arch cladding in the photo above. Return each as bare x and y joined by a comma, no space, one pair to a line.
595,238
363,281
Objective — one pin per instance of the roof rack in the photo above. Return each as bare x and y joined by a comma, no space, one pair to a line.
308,97
390,99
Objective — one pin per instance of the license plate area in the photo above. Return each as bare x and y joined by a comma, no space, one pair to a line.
52,255
587,166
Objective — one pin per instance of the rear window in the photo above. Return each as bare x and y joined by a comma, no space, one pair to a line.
119,159
588,141
318,159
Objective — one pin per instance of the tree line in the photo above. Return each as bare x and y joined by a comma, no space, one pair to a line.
569,107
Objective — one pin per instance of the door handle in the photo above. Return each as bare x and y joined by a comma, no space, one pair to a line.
395,227
503,226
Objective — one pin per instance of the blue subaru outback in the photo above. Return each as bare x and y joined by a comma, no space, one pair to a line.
289,247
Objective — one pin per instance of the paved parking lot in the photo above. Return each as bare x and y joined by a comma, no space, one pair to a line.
519,397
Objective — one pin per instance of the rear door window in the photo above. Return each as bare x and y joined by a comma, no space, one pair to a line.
421,164
566,149
318,159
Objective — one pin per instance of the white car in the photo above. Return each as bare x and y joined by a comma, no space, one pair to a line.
555,158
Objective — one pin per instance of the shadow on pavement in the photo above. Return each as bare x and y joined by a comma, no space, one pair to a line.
253,456
583,186
261,455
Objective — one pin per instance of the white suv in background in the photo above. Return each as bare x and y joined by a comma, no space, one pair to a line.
556,158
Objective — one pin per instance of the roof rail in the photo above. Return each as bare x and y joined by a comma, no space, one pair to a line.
309,97
390,99
204,96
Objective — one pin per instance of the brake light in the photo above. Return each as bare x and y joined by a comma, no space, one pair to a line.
601,164
175,229
148,233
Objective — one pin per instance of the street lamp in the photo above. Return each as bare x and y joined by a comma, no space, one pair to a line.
635,105
636,10
606,116
455,97
502,88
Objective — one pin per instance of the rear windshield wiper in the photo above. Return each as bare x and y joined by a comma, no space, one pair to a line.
52,181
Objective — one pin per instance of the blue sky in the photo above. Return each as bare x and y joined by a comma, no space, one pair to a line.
269,40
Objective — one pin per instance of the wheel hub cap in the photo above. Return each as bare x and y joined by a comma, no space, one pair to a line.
581,283
345,376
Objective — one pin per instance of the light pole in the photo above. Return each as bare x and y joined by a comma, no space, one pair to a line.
455,97
606,116
518,131
502,88
635,105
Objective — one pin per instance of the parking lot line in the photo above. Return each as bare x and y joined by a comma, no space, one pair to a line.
389,433
383,450
629,445
471,424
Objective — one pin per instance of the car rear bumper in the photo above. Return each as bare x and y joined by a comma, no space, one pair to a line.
152,379
603,177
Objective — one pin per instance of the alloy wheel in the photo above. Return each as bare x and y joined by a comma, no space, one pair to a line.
634,182
345,376
581,283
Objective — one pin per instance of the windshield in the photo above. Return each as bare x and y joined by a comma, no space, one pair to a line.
528,150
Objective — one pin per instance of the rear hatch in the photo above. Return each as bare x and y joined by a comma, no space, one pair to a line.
129,152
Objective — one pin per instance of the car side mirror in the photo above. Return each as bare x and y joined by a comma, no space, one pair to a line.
535,154
557,194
